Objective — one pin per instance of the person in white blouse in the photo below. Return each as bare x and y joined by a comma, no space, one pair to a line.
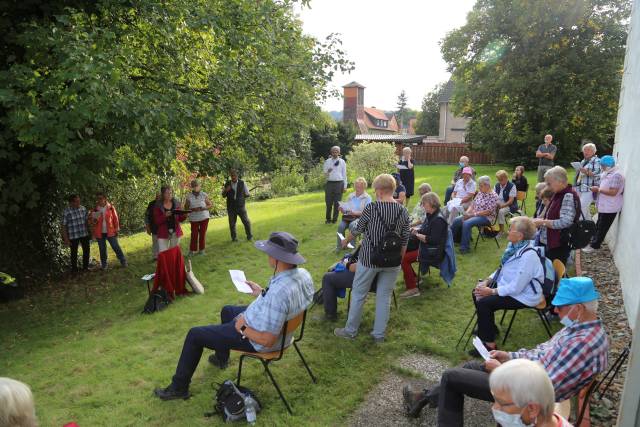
353,207
462,195
335,170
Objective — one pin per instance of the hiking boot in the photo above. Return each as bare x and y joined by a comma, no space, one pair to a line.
171,393
342,333
415,400
213,359
410,293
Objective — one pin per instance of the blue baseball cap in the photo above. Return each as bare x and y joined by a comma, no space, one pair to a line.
608,161
575,290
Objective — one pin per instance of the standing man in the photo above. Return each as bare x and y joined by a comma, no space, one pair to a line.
236,191
335,170
546,153
75,231
588,176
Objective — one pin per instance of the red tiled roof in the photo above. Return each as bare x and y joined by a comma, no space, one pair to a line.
375,113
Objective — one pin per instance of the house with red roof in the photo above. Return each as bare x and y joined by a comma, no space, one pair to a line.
368,120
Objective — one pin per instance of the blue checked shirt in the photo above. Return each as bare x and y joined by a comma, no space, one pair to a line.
585,182
287,294
75,221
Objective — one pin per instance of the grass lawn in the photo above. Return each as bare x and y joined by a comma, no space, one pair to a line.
91,357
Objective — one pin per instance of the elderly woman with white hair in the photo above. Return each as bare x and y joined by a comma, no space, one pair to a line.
16,404
588,176
562,212
407,176
524,396
516,284
353,207
482,211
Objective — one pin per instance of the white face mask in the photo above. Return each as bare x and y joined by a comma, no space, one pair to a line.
566,321
508,420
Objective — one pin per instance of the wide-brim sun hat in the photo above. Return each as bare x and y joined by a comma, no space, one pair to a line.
575,290
281,246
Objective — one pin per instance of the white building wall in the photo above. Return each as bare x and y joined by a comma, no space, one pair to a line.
624,237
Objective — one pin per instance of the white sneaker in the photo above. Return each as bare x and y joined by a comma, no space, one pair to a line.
587,249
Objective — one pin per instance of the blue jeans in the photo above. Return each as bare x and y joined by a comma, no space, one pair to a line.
361,285
465,227
342,227
113,242
221,338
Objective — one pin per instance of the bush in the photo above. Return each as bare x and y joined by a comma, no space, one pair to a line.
288,180
370,159
314,178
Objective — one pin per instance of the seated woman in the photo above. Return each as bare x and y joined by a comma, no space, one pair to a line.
517,283
353,207
481,212
16,404
523,394
400,193
418,215
520,180
335,280
463,192
432,236
539,206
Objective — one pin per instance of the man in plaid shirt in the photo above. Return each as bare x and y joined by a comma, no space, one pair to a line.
75,232
572,358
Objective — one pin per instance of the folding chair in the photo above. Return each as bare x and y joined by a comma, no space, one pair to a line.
521,197
583,399
481,227
288,328
560,270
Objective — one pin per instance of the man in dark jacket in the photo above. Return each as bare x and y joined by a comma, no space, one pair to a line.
236,191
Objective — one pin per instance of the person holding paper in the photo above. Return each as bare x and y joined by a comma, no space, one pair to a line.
353,207
256,327
572,358
517,283
588,176
462,163
463,193
167,220
407,176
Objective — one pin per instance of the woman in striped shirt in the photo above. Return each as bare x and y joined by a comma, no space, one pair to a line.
378,218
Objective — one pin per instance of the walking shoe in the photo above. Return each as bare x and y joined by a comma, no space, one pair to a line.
213,359
202,252
234,240
587,249
328,221
249,238
410,293
124,264
191,253
378,340
415,400
342,333
170,393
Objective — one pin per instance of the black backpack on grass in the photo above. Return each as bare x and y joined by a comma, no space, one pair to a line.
230,402
158,300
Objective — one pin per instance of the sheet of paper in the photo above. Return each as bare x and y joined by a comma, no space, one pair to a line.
346,206
341,237
238,279
454,203
148,276
477,343
402,167
576,165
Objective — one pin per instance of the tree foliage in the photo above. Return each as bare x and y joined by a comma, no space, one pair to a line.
327,132
370,159
197,85
402,108
526,68
428,119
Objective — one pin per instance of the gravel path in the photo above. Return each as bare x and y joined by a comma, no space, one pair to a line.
383,405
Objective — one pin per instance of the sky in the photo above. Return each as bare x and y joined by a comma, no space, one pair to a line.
394,44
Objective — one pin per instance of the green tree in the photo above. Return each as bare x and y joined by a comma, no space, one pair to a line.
428,120
402,108
195,85
526,68
327,133
370,159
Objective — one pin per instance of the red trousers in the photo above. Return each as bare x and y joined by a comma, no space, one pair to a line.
410,277
198,233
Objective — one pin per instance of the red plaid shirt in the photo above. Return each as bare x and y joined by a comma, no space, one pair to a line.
572,357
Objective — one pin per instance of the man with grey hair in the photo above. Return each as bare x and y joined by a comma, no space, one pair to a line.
571,358
588,176
546,153
335,170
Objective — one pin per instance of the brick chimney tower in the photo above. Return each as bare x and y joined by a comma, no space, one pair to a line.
353,103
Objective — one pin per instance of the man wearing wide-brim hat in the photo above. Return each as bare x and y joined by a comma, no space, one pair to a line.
572,358
254,328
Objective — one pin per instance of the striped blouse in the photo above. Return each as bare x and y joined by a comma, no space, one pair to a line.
370,223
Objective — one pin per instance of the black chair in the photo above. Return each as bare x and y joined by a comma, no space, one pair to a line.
481,231
289,327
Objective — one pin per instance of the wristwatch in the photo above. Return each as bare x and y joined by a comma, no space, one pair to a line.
242,329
